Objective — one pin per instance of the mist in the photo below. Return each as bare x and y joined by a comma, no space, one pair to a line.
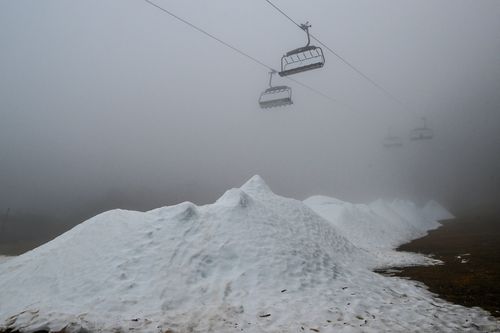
113,104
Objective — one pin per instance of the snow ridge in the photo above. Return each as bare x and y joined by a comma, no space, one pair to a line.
252,261
434,211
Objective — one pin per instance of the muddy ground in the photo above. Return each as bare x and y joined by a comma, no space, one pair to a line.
470,250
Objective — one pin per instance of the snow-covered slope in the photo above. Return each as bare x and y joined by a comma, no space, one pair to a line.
378,225
4,259
252,261
434,211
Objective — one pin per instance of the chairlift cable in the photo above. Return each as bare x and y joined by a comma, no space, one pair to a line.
366,77
283,13
209,35
344,60
316,91
257,61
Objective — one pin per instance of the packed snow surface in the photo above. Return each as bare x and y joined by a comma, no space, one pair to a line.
3,259
380,226
252,261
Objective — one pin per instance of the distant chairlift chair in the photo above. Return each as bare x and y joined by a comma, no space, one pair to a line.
302,59
392,141
275,96
422,133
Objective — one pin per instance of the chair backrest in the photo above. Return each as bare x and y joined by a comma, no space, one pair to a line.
276,96
301,60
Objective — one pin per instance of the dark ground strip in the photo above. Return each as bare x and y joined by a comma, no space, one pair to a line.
470,249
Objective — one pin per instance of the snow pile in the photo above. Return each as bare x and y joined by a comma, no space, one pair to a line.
252,261
3,259
379,224
433,210
379,227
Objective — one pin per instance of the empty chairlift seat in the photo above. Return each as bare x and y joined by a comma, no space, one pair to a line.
393,142
422,133
302,59
275,95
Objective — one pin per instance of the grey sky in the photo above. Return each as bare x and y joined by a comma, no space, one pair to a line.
101,97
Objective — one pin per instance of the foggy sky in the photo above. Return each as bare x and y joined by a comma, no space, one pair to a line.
114,99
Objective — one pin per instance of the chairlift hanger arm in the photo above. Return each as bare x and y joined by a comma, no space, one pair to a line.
305,27
271,73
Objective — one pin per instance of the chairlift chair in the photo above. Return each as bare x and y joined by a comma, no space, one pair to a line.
275,95
302,59
392,141
422,133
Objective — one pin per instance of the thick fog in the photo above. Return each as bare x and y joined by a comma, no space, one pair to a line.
107,104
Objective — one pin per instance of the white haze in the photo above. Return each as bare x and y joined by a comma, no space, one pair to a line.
104,97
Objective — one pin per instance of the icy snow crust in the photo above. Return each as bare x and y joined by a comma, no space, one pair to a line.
252,261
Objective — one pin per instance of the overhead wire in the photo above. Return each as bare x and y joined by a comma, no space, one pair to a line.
208,34
257,61
336,54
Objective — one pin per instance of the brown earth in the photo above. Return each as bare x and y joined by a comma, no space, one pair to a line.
470,250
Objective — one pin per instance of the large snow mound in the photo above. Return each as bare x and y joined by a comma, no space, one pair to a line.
434,211
252,261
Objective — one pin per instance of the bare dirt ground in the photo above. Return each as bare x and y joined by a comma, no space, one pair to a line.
470,250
